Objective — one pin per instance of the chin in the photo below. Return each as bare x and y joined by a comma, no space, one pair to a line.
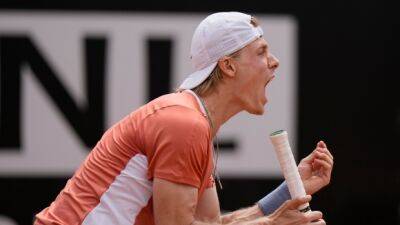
256,111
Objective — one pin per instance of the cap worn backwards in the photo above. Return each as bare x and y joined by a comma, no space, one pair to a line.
218,35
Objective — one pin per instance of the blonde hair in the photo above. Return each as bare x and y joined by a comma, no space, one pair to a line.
213,79
210,83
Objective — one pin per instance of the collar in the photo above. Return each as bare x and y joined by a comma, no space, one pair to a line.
203,110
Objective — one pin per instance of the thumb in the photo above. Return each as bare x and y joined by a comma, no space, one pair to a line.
295,203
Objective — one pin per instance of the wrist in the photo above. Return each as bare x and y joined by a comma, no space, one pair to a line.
270,221
274,200
310,190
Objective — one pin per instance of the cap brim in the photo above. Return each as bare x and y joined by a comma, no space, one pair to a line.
196,78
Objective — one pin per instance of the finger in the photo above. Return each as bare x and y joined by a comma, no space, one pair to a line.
318,163
313,215
295,203
318,222
321,144
310,157
324,156
326,151
281,209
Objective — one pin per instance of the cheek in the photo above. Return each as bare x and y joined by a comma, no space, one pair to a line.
253,76
263,66
259,72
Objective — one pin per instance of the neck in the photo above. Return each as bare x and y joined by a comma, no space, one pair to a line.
221,106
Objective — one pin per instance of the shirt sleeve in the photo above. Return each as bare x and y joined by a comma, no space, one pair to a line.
210,182
179,146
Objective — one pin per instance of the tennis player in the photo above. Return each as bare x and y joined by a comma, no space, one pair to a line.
156,165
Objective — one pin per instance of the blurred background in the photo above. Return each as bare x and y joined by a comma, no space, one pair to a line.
69,70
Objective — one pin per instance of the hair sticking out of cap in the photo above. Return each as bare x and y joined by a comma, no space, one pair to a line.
254,21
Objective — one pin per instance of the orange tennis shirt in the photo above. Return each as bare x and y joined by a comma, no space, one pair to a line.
168,138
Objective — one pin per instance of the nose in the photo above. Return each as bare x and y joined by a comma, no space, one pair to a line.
273,62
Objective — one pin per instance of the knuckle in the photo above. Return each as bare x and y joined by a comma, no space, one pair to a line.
303,218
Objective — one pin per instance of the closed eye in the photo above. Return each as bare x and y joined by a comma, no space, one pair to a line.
262,50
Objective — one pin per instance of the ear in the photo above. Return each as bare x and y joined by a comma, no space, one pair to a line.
228,66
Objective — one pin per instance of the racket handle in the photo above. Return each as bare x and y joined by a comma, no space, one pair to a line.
288,165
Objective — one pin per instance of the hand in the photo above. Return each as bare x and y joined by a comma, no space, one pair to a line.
315,169
288,213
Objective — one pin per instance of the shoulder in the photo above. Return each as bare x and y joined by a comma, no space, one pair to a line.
180,117
176,110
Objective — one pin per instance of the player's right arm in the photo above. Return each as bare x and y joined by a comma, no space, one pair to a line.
286,214
175,204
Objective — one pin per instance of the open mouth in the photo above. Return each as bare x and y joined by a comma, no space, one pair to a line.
267,83
269,80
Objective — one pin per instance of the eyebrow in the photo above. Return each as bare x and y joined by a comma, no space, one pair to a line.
264,47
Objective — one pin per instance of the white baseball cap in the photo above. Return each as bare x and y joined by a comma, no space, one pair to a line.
218,35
